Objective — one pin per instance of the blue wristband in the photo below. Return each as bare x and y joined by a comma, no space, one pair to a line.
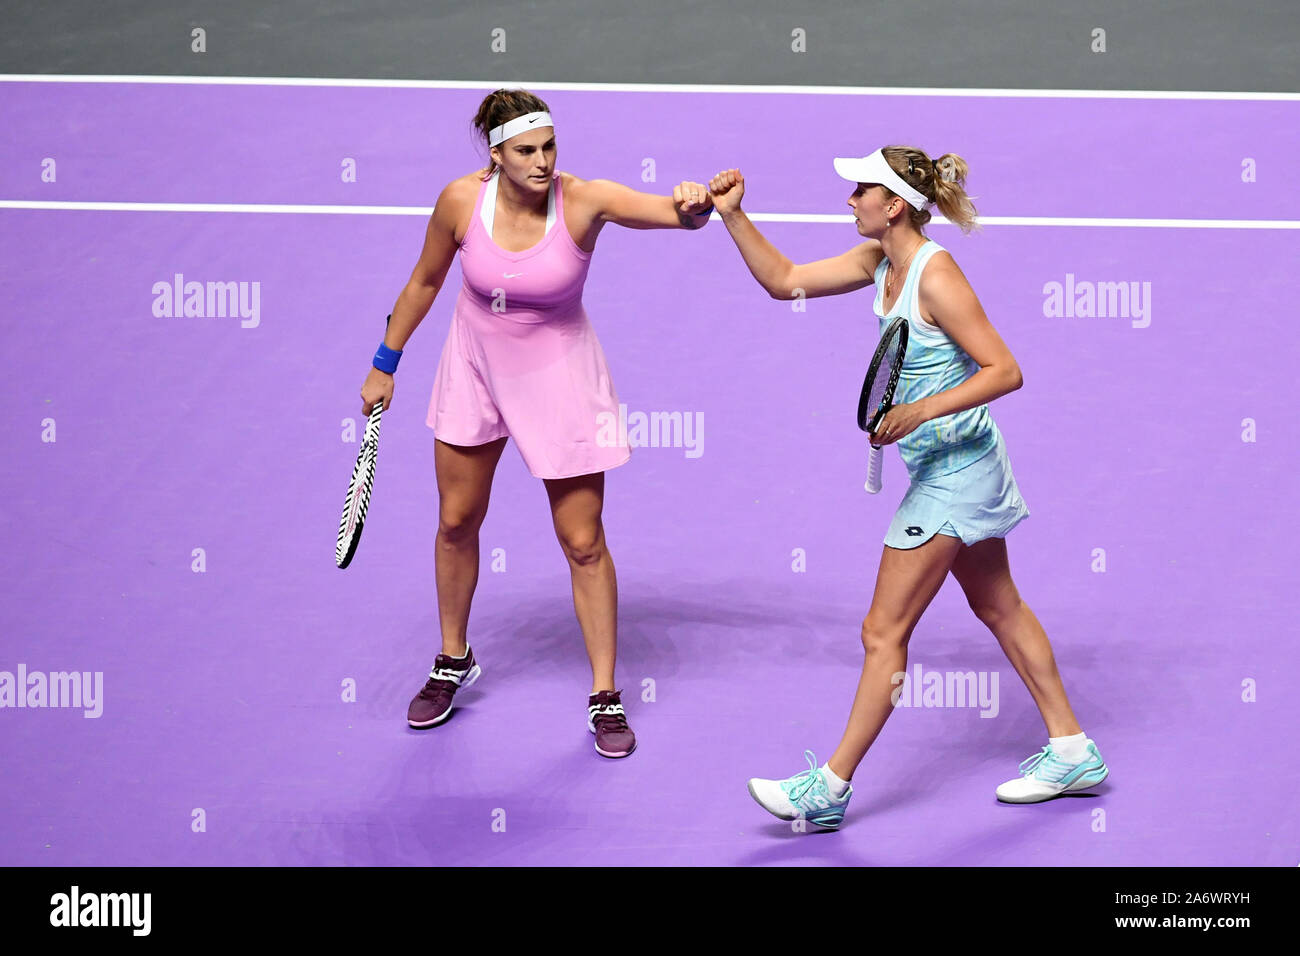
386,359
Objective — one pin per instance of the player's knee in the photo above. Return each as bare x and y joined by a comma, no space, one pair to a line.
583,547
878,636
996,614
457,525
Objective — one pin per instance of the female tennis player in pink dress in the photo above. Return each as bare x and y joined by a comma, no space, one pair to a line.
522,361
962,499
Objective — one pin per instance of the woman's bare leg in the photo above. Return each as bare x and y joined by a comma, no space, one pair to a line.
984,574
576,505
905,585
464,484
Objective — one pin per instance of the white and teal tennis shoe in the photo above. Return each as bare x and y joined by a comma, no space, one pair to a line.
805,795
1047,774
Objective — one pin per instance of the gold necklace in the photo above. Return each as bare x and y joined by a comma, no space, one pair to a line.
889,282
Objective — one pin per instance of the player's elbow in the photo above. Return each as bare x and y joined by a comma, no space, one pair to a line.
780,286
423,283
1015,377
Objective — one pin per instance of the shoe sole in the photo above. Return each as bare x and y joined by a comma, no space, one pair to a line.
474,673
782,816
1083,783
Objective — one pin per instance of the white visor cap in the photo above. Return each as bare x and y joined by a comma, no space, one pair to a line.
875,169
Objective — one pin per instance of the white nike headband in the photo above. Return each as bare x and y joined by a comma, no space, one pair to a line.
876,169
520,124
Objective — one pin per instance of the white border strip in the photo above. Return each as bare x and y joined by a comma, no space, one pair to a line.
649,87
426,211
219,207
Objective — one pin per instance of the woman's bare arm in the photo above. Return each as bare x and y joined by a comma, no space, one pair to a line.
781,278
623,206
951,302
416,297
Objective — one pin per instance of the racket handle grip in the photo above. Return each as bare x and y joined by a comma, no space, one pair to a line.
875,461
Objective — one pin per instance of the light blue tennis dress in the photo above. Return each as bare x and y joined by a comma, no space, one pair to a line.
961,480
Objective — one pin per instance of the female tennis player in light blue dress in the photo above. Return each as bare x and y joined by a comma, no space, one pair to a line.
962,498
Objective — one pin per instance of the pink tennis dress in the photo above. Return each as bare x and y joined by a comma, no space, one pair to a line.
521,358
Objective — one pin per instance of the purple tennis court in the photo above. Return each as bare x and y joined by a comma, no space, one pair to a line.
174,486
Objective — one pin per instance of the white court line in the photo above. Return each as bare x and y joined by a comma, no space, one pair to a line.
290,209
486,86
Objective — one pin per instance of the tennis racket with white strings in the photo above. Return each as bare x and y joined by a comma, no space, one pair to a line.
878,392
358,499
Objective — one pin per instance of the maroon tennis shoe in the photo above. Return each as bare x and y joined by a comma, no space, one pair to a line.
605,719
432,705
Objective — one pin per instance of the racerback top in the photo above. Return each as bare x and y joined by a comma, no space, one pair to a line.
933,363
